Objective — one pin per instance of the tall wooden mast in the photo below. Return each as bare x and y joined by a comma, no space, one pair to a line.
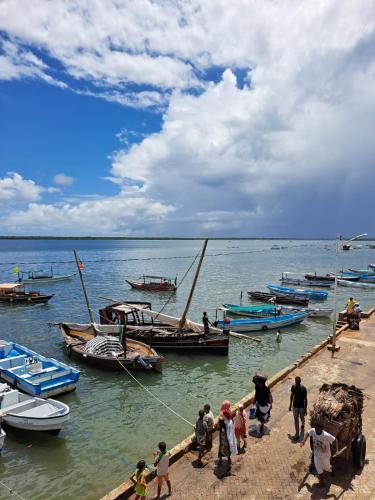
183,318
84,291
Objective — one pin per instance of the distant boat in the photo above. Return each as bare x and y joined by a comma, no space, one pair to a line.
356,284
102,347
262,324
287,277
42,276
155,283
346,246
322,277
14,293
363,272
269,310
299,292
279,298
35,374
31,413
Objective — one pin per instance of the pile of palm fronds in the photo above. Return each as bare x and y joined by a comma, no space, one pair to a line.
339,410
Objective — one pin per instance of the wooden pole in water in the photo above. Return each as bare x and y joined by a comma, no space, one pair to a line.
84,290
183,318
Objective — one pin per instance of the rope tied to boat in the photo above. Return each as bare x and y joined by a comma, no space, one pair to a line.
12,491
155,397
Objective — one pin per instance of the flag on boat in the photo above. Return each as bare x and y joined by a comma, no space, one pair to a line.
15,270
81,265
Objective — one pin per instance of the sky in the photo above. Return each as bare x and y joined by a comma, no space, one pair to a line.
251,118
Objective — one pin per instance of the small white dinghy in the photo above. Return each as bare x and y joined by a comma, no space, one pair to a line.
30,413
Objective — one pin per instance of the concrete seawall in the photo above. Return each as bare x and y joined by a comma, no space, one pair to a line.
126,489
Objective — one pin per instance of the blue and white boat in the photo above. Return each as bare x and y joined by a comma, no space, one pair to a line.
298,292
356,284
260,311
35,374
261,324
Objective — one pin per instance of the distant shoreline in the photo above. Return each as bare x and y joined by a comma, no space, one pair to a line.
234,238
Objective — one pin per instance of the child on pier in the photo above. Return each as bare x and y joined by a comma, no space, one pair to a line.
162,464
240,427
139,479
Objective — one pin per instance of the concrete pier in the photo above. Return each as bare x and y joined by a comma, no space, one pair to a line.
274,467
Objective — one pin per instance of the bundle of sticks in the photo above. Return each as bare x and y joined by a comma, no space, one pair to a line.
339,410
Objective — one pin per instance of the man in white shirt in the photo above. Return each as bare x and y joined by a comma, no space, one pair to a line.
321,441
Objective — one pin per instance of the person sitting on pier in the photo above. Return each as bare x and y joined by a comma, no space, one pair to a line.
262,400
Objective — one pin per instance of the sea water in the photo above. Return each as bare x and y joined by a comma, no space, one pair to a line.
114,422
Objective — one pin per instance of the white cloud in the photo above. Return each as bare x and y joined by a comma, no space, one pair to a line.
63,180
275,148
106,215
14,188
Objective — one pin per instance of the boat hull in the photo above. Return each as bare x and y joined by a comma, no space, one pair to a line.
356,284
306,282
310,294
19,299
280,299
213,344
2,438
263,324
50,424
52,279
152,287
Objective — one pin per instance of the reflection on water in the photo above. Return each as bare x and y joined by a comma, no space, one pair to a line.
113,421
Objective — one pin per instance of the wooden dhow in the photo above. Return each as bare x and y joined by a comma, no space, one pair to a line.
14,293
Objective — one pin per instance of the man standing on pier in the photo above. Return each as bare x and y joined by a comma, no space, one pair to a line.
298,399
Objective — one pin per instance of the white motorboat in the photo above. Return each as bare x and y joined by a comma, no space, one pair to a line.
315,312
31,413
2,438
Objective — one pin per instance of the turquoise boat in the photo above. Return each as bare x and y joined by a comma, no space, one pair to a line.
33,373
252,311
298,292
262,324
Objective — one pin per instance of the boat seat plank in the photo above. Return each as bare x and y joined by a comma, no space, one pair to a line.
18,405
40,411
11,360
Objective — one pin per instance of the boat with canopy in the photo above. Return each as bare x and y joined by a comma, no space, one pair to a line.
14,293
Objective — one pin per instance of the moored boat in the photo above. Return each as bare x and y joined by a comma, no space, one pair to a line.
162,331
154,284
31,413
260,311
262,324
14,293
299,292
356,284
106,346
363,272
42,276
319,277
287,277
279,298
35,374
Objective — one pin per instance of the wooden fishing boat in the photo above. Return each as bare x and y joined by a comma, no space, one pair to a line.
14,293
279,298
31,413
155,284
299,292
35,374
42,276
163,331
108,347
319,277
287,277
262,324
